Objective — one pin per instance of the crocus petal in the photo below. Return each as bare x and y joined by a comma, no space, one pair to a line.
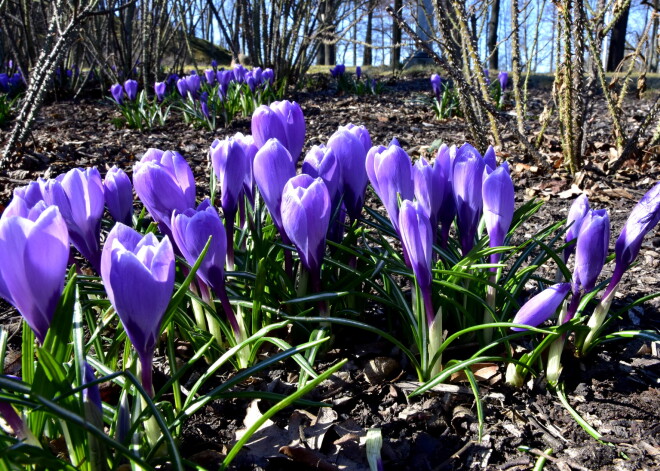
322,162
352,156
138,273
34,250
191,231
468,173
393,173
499,200
230,166
164,182
429,188
542,306
267,124
305,218
417,236
293,122
118,194
576,214
592,246
643,217
273,167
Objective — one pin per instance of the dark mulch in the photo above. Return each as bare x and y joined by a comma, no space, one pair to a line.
616,390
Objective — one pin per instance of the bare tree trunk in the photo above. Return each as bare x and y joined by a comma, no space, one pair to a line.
618,41
493,23
654,40
367,55
396,37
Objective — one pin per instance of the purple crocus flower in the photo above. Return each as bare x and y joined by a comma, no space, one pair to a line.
499,200
250,150
92,397
164,182
268,75
591,249
361,133
643,217
34,253
239,73
182,86
490,159
79,196
467,175
267,124
131,87
230,166
138,275
445,161
321,162
576,214
542,306
117,92
118,194
251,81
390,173
436,85
306,211
193,83
352,156
4,83
417,238
503,77
293,122
273,167
159,90
25,199
209,75
191,230
429,189
358,72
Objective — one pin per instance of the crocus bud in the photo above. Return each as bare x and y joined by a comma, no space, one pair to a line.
592,246
576,214
267,124
468,173
131,87
436,85
499,200
305,218
182,86
117,92
445,160
417,237
429,189
503,77
321,162
392,173
214,63
490,159
358,72
138,275
118,194
164,182
191,231
643,217
273,167
542,306
250,149
34,253
293,122
25,199
209,75
79,196
352,156
159,90
361,133
193,83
